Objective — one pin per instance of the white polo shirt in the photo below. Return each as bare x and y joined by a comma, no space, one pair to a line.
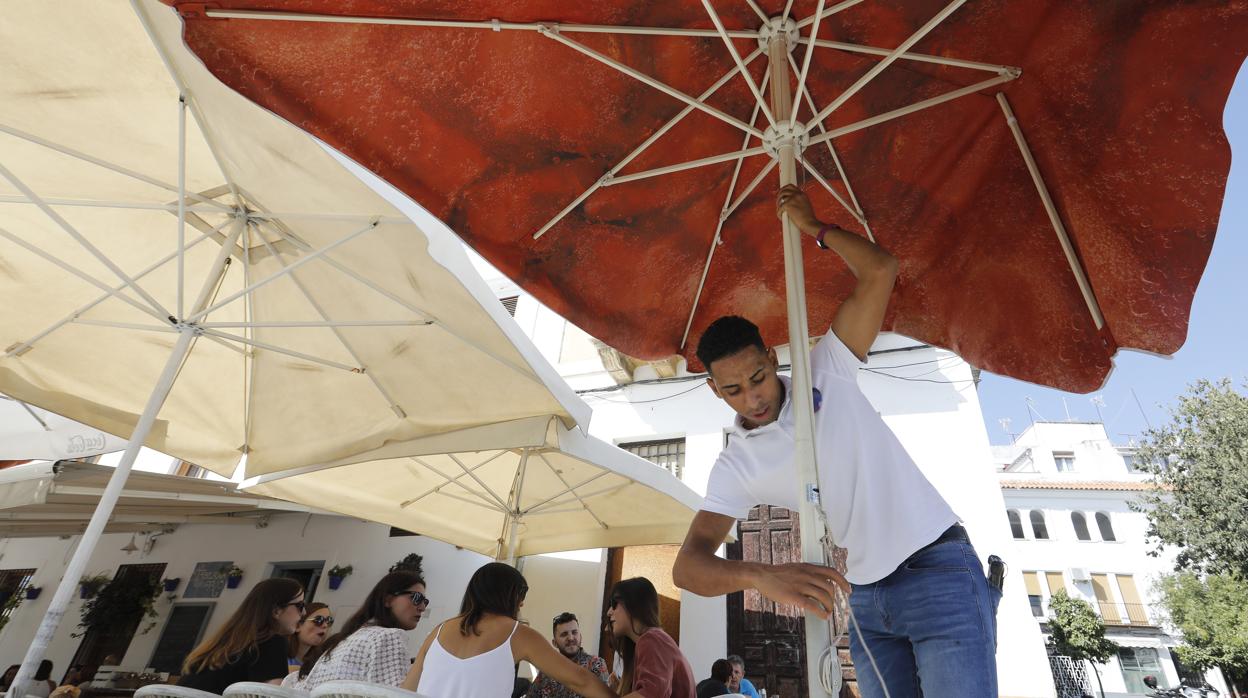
880,507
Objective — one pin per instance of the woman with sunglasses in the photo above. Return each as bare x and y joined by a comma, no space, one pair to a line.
252,644
474,655
372,644
654,666
311,633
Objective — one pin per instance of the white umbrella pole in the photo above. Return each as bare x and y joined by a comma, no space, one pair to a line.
818,632
103,511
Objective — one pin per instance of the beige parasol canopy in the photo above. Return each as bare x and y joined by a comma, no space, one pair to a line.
180,267
553,490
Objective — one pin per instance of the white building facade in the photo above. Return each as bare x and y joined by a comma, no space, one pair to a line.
1068,494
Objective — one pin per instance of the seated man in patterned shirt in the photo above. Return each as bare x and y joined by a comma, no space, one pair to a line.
567,639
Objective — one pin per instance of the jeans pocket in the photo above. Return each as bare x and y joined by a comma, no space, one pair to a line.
945,557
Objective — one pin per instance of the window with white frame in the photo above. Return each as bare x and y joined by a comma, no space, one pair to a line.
1138,662
1065,461
1016,524
1039,529
1106,527
1080,522
668,454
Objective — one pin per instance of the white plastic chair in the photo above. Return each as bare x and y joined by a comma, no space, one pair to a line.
253,689
165,690
360,689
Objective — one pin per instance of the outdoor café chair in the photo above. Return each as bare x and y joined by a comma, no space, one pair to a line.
360,689
255,689
165,690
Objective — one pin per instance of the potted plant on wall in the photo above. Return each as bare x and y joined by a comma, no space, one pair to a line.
337,573
411,563
9,601
119,605
90,586
171,585
32,593
233,576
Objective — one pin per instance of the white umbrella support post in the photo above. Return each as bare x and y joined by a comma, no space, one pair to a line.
818,632
99,519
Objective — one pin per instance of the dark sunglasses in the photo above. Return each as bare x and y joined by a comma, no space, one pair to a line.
418,599
319,621
303,607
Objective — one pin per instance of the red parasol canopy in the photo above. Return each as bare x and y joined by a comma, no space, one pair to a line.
499,116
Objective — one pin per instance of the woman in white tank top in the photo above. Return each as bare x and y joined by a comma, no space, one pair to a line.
474,655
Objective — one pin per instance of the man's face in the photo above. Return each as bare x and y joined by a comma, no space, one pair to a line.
747,381
568,638
738,672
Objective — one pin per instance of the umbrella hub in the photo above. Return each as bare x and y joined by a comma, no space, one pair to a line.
777,27
782,134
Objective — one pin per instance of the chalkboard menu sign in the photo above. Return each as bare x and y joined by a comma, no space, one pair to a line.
182,632
207,580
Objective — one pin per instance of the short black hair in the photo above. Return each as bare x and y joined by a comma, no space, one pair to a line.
727,336
721,670
565,617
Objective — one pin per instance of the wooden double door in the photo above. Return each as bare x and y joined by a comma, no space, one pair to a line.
771,637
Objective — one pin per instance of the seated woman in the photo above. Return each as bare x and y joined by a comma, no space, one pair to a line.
252,644
654,666
41,684
310,634
474,655
372,644
717,684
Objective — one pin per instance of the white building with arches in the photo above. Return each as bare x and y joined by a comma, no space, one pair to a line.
1068,493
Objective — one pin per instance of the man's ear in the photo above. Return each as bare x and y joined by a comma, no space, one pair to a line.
771,356
714,388
554,643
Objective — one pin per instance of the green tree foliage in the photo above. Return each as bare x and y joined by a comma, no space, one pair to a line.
1212,614
1077,632
1199,460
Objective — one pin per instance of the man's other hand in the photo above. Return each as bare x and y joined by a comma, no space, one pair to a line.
810,587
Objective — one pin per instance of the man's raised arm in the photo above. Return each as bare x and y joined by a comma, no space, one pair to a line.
858,320
700,571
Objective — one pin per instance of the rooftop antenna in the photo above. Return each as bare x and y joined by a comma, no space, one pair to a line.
1032,411
1142,414
1066,406
1098,402
1005,426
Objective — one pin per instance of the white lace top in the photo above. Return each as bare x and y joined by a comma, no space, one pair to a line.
372,654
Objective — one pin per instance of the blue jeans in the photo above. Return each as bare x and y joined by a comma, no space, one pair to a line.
931,626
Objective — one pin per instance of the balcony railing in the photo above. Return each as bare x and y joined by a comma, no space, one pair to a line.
1135,615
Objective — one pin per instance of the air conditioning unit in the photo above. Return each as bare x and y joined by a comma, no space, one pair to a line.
1080,574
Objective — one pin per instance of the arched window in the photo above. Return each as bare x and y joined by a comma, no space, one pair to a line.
1038,529
1107,529
1016,524
1081,525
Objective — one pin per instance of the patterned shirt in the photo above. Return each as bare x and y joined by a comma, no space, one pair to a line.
372,653
546,687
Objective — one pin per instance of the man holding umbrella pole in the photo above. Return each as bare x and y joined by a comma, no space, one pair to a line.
923,614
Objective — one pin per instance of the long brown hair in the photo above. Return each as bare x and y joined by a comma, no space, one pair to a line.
641,600
250,625
292,649
373,610
494,588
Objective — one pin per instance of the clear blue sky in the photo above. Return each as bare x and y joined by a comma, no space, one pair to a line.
1217,339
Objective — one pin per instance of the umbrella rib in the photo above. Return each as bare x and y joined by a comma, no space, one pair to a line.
185,96
492,25
24,346
736,57
888,60
910,109
553,33
680,167
79,155
762,16
251,288
835,194
671,123
325,323
450,481
472,474
86,244
126,325
249,361
801,24
550,501
280,350
80,274
599,493
385,394
856,211
810,52
723,217
1055,219
526,373
572,490
91,203
918,57
344,217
